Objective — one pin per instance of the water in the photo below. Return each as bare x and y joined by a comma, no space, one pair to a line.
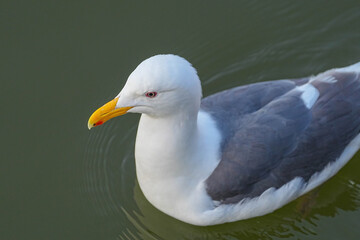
61,60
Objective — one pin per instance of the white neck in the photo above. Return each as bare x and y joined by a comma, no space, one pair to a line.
174,155
162,145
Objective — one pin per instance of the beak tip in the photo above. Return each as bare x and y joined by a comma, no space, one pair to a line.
106,112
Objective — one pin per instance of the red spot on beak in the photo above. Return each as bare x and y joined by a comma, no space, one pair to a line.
99,123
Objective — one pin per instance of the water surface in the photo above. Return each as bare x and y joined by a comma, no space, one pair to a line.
61,60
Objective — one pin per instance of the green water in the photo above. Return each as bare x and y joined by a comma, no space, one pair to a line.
60,60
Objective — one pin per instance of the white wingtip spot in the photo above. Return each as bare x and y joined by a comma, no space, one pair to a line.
309,94
328,79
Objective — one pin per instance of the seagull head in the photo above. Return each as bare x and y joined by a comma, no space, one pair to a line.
160,86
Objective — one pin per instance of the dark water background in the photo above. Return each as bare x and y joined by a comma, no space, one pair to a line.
60,60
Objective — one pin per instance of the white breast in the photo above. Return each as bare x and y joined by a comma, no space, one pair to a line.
172,162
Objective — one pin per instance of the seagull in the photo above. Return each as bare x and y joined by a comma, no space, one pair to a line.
240,153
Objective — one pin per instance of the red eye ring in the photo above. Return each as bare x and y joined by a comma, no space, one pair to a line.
151,94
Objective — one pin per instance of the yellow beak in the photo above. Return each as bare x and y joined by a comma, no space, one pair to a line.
106,113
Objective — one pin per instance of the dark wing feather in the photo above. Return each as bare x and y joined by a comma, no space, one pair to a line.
270,137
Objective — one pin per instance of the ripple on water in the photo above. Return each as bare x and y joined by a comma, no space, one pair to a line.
109,175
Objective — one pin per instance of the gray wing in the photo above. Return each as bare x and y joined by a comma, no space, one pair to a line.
270,136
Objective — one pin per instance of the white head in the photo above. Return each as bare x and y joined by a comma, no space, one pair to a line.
160,86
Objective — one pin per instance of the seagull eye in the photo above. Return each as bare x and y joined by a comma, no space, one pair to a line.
151,94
